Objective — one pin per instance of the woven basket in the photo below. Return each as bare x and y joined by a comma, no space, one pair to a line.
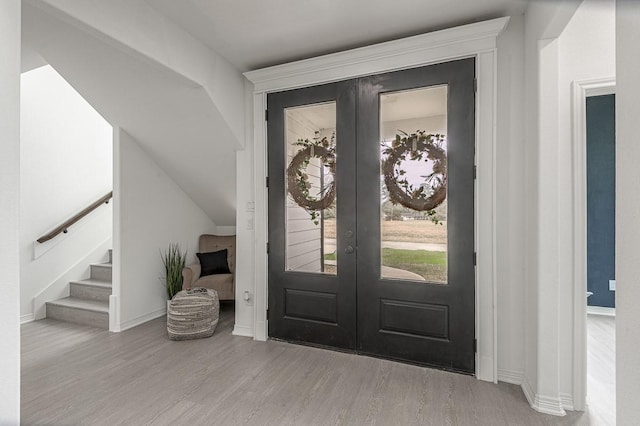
193,314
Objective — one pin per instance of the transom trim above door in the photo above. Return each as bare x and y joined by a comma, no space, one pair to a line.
475,40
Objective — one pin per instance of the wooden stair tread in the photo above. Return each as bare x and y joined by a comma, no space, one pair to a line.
84,304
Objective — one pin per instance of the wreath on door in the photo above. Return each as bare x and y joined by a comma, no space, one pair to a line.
419,147
298,183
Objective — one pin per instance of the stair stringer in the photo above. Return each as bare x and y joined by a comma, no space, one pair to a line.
59,288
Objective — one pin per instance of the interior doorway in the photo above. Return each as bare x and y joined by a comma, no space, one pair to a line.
601,184
593,345
337,153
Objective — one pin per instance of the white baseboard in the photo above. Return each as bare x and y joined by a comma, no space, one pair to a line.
600,310
242,330
567,401
485,370
549,405
142,319
114,317
513,377
528,391
541,403
260,332
27,318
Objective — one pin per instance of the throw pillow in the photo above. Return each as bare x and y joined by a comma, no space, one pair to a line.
213,263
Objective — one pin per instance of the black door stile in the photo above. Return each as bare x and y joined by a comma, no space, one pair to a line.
389,309
313,308
357,309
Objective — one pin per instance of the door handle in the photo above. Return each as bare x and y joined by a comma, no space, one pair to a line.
349,249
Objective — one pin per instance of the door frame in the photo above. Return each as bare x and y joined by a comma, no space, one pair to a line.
477,40
581,90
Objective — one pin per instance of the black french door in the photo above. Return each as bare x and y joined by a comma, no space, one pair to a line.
371,215
307,304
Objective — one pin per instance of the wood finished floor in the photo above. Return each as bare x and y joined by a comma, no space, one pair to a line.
601,369
76,375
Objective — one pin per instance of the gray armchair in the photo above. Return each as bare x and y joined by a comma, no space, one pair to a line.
224,284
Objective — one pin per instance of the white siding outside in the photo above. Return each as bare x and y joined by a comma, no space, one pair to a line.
303,236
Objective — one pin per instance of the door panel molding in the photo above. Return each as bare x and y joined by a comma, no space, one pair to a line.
319,306
475,40
429,320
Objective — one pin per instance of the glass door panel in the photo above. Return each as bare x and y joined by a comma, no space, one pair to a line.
413,187
310,162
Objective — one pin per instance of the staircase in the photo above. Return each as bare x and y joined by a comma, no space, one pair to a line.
88,303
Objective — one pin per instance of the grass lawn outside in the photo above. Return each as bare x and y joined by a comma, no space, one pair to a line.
432,265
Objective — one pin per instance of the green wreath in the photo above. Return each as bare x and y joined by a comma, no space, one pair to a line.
417,146
298,184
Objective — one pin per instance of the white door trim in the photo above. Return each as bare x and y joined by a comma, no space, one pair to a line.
474,40
581,90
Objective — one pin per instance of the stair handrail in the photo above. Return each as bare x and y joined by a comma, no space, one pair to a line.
65,226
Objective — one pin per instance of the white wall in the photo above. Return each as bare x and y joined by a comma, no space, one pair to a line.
143,29
532,25
245,231
65,165
586,51
544,21
150,212
9,213
510,202
548,262
627,212
563,42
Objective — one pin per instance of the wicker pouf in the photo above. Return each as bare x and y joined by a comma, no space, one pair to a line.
193,314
